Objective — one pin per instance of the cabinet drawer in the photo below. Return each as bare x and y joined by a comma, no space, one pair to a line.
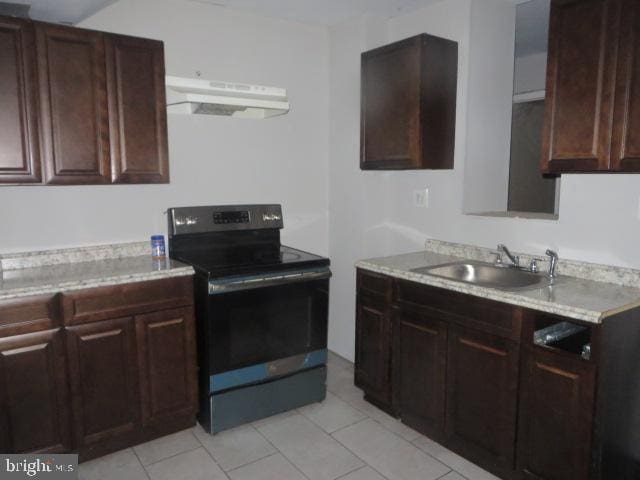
29,314
484,315
374,283
122,300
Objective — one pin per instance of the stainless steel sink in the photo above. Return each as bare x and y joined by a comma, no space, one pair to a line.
487,275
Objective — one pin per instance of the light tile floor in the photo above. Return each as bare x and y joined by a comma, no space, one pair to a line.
343,438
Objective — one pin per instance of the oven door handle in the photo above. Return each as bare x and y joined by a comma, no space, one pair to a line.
295,276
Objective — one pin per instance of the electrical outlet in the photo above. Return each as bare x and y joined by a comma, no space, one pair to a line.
421,198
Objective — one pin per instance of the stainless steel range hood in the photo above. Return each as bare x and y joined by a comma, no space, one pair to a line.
198,96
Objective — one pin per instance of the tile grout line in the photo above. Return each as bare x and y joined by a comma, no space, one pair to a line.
172,456
401,438
411,442
357,456
144,469
345,426
452,471
208,452
366,465
281,453
277,452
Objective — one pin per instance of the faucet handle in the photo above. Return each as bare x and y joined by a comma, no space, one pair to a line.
533,264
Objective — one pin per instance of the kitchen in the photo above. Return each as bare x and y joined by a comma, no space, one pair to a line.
307,160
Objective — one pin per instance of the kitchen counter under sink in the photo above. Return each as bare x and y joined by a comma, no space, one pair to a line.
39,273
579,292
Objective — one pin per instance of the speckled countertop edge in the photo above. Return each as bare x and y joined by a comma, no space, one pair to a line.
451,251
84,256
50,288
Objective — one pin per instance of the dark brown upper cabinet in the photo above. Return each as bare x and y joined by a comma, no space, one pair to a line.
19,147
625,154
592,106
74,110
138,112
408,105
94,113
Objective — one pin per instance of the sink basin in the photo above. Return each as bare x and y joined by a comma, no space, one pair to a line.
487,275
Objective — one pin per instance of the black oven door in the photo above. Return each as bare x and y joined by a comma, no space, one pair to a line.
250,329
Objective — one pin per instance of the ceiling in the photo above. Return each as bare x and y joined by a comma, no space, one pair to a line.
532,27
63,11
322,12
319,12
531,31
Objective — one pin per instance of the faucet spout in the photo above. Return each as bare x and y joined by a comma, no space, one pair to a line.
515,260
553,263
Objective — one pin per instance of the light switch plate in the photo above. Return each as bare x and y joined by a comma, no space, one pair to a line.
421,198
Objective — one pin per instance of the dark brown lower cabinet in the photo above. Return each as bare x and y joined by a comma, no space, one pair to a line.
74,379
420,366
482,397
556,412
167,361
373,364
103,369
34,403
466,372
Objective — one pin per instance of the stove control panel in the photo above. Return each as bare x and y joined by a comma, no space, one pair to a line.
221,218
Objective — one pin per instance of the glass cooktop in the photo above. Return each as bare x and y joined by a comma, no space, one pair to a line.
232,261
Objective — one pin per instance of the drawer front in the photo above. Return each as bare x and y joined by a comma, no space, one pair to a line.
97,304
374,283
29,315
483,315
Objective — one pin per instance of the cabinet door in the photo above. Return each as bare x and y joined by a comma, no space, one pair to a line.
73,96
556,417
419,370
19,147
373,348
390,104
34,403
104,380
137,110
626,127
580,85
482,390
167,363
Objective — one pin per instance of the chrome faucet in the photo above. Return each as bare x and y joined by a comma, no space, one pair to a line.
515,260
553,263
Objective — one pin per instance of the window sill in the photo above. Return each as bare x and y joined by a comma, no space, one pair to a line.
518,215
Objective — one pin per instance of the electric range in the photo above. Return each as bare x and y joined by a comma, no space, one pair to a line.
261,312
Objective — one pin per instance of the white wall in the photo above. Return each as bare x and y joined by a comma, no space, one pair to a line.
371,213
490,84
530,73
365,207
213,160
